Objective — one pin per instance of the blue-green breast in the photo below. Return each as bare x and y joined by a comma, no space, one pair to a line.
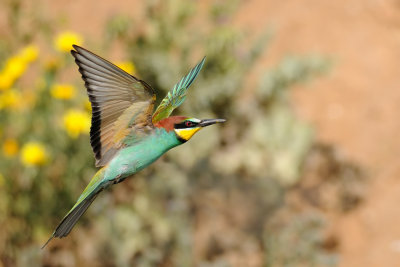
134,158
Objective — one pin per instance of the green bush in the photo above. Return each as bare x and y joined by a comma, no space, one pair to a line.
240,170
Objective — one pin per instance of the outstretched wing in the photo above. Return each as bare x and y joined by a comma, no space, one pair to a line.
121,104
177,95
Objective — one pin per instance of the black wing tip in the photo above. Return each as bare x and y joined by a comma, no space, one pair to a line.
75,49
79,50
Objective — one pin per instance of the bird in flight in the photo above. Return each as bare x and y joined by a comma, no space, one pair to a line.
125,135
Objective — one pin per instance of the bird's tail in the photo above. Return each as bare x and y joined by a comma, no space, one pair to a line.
83,203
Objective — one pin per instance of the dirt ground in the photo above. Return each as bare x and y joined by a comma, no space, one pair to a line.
353,108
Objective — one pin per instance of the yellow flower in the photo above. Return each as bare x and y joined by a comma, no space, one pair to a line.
33,154
65,40
6,81
29,53
10,99
10,148
127,66
76,122
62,91
15,67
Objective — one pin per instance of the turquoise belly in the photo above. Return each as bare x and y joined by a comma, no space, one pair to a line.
140,155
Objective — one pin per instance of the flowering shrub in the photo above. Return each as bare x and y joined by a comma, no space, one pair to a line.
45,150
46,160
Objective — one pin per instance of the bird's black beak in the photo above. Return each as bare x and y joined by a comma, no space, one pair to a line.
207,122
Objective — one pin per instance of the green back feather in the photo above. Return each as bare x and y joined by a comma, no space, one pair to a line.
177,95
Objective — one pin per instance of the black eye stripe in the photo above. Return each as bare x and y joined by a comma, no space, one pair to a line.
186,124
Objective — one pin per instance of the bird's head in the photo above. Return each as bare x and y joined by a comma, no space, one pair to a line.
185,127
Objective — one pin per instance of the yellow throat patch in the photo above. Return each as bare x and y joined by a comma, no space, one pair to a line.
186,133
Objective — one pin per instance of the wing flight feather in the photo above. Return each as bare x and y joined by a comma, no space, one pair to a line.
121,104
177,95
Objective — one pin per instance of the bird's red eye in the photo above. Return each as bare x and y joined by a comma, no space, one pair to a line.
188,124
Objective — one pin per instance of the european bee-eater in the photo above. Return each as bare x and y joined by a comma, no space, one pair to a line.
125,135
